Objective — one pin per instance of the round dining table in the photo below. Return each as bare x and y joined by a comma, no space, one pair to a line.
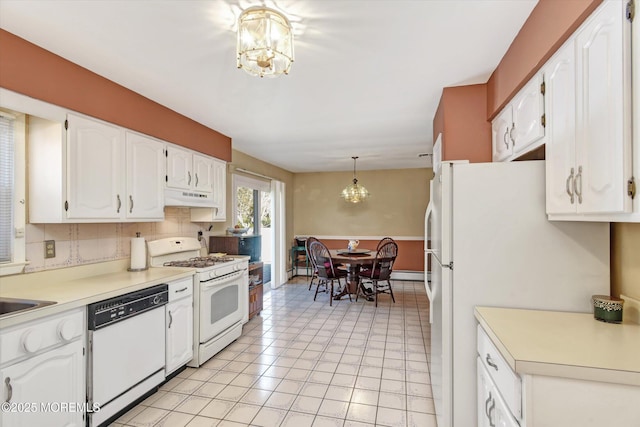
352,260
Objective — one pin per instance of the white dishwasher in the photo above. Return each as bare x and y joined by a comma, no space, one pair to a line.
126,350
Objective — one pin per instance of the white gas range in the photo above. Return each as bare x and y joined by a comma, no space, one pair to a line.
221,292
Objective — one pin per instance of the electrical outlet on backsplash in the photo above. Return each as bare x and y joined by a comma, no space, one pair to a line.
78,244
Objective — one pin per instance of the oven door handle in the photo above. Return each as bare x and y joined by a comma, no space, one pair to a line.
217,281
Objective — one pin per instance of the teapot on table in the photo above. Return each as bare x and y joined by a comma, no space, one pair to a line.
353,245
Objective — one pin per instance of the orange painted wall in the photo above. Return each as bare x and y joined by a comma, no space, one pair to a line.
30,70
550,24
410,252
461,118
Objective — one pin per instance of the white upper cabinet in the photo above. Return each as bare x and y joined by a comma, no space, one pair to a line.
528,116
501,140
602,155
560,101
145,176
218,213
220,188
519,127
588,102
93,172
203,173
189,170
179,167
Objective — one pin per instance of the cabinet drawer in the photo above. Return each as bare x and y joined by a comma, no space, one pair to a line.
180,289
508,383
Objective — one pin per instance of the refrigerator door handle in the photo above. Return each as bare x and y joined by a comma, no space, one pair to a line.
427,229
427,252
427,239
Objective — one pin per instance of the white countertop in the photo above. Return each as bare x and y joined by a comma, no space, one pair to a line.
569,345
79,286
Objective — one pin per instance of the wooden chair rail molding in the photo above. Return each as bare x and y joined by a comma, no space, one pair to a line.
410,248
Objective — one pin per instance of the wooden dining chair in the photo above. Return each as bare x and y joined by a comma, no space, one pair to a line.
384,241
381,271
366,267
314,267
327,273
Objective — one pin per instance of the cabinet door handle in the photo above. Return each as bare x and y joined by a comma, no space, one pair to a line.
130,203
486,405
490,414
7,382
182,290
197,179
170,320
189,180
119,203
576,185
504,138
490,362
569,185
513,141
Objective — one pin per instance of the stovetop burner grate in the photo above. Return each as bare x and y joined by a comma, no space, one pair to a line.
199,262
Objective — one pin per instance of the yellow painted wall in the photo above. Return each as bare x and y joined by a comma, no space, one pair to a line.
396,207
244,161
625,259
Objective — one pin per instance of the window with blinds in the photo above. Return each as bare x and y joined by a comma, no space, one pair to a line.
7,185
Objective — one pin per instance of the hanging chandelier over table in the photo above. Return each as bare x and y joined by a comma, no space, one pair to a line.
354,192
265,42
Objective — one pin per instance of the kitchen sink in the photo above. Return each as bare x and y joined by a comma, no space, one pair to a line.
14,305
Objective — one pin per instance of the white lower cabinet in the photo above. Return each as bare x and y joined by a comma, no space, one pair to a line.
507,399
43,372
556,401
179,321
492,409
499,387
46,390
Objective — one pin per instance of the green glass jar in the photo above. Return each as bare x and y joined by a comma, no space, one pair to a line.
607,309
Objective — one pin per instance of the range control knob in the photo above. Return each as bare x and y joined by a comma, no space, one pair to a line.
31,341
156,300
67,330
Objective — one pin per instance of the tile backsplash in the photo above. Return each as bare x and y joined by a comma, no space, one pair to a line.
78,244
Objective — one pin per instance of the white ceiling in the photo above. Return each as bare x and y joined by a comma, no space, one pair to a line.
366,80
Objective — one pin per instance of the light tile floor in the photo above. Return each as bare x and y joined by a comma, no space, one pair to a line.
303,363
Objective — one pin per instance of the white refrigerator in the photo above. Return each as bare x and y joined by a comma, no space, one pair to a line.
492,245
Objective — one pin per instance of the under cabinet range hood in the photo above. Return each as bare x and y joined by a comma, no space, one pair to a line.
188,198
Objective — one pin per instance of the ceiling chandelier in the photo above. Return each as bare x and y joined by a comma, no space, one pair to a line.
265,42
354,192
